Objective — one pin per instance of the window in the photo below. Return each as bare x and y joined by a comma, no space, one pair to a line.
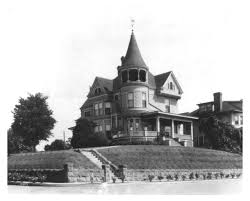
131,124
107,108
171,86
144,100
133,75
96,129
241,120
142,75
116,97
236,120
137,124
100,128
167,108
119,122
97,91
100,109
130,100
87,114
96,109
124,76
113,122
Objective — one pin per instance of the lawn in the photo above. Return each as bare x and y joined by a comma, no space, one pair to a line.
165,157
49,160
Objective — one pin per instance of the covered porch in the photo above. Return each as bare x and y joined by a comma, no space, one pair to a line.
174,128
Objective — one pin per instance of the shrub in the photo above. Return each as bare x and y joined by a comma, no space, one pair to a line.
160,177
227,176
122,178
197,175
169,177
191,176
233,175
183,177
216,175
204,176
151,177
238,175
222,175
209,175
176,177
114,179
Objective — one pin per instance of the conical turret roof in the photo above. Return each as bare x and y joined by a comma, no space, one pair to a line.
133,56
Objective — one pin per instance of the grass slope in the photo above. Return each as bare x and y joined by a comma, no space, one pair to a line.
49,160
164,157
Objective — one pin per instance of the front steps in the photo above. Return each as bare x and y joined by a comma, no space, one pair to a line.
92,158
98,162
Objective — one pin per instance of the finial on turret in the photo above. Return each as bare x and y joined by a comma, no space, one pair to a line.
132,24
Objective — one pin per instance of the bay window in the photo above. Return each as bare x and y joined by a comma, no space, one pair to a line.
130,100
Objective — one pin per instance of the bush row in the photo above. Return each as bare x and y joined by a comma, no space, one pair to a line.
30,177
195,176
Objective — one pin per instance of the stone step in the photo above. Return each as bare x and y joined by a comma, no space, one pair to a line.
92,158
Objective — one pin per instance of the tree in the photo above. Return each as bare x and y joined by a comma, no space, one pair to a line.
221,135
84,136
33,120
57,145
15,143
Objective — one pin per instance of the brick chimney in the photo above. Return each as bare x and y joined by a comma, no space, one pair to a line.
218,102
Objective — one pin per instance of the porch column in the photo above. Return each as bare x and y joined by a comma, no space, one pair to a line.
158,125
192,129
172,129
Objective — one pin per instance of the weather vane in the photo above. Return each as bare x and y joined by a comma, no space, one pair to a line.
132,24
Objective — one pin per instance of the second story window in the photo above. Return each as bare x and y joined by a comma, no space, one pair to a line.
130,100
241,120
100,109
116,97
96,109
171,86
144,100
87,114
107,108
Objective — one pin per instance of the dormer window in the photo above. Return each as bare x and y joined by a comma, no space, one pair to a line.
97,91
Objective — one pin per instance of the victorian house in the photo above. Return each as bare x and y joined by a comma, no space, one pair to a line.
137,105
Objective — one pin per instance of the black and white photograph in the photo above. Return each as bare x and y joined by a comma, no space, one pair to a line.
124,98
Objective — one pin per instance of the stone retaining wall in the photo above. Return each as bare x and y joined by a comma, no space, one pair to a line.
75,174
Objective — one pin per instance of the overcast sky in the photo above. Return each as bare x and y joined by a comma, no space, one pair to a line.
58,47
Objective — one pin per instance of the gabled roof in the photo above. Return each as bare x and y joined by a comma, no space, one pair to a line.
231,106
133,56
161,79
105,84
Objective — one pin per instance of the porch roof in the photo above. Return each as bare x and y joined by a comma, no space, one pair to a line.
158,113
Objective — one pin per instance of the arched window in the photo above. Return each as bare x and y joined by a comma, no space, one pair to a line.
133,75
142,75
124,76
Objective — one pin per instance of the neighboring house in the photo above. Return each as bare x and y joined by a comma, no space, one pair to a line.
227,111
138,106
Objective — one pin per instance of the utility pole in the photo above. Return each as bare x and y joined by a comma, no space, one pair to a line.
64,139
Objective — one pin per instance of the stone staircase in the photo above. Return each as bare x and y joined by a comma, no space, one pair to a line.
96,158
